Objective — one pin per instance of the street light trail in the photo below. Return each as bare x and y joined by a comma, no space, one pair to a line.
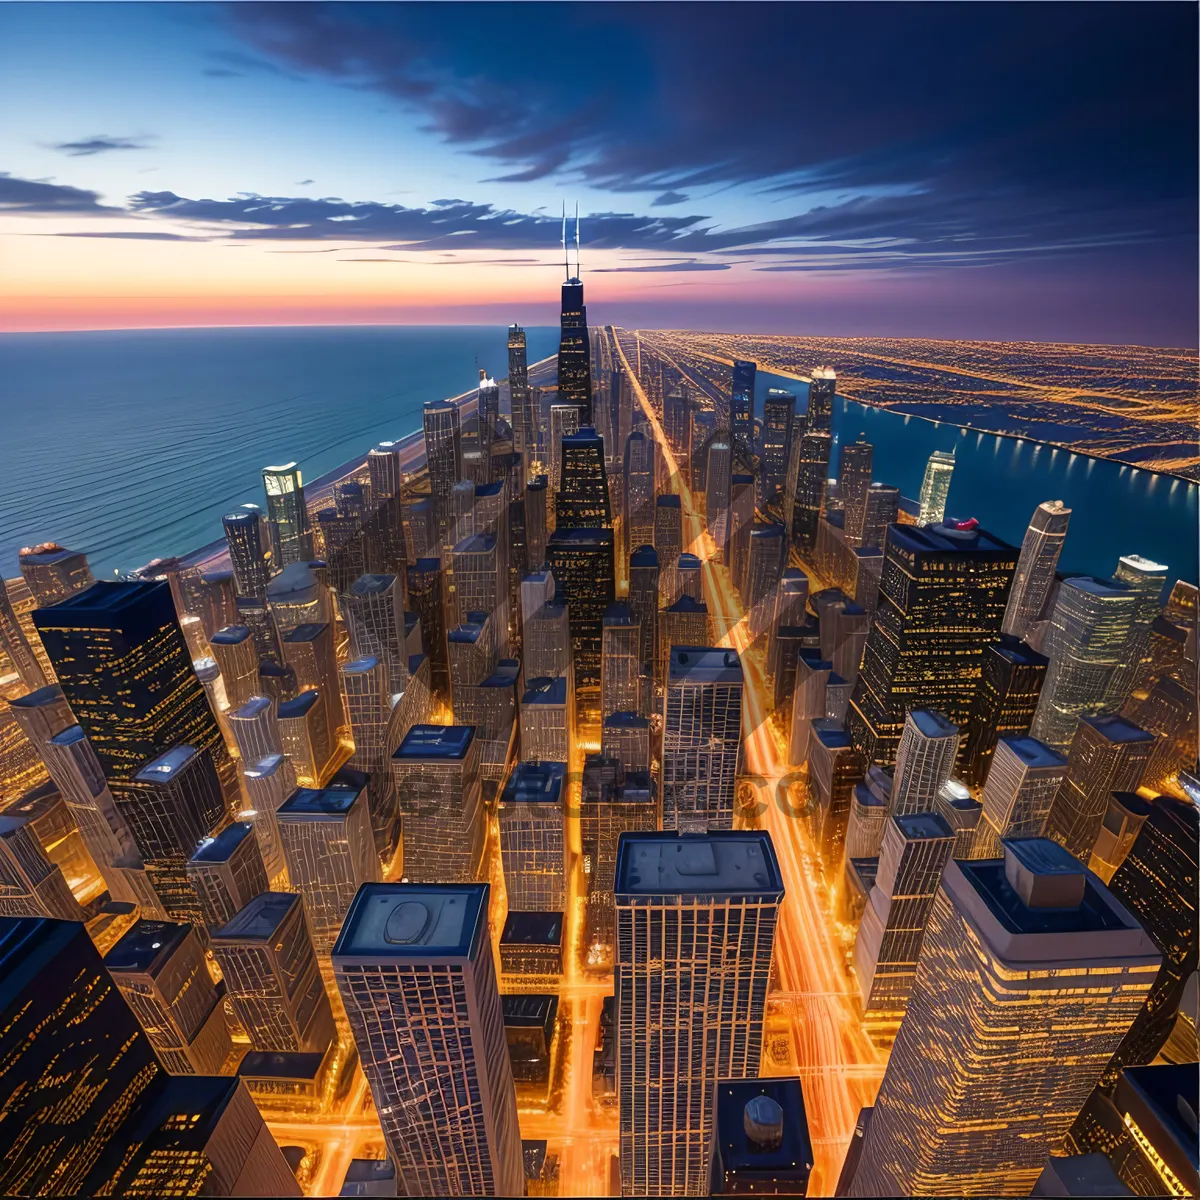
840,1067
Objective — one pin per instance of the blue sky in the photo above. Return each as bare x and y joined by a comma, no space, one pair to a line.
968,170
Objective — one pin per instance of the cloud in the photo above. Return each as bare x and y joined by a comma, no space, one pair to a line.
690,265
303,182
38,197
1011,128
134,235
101,144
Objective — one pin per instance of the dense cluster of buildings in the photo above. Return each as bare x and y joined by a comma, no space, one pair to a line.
259,805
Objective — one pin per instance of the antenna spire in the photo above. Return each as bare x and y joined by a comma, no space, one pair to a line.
578,268
566,259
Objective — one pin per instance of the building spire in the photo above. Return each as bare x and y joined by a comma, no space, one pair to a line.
578,268
566,259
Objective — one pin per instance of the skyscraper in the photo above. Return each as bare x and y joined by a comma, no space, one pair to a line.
668,544
436,776
1005,703
854,480
741,526
914,851
760,1138
696,923
125,670
537,491
582,501
425,596
639,478
414,967
547,720
719,494
621,666
821,391
524,421
16,647
574,352
778,411
1029,976
702,737
236,657
1024,778
935,487
1085,643
160,969
266,957
741,406
330,853
443,457
766,561
924,760
645,586
53,572
287,514
1036,566
1146,579
941,601
249,539
584,572
879,511
373,609
103,1118
809,468
30,884
1108,754
227,872
531,836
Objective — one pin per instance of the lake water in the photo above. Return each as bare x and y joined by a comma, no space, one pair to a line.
1116,509
131,445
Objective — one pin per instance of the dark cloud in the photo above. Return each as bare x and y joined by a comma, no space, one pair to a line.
1035,123
690,265
669,198
303,182
135,235
37,197
101,144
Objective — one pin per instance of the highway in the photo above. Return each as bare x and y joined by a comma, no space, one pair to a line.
839,1067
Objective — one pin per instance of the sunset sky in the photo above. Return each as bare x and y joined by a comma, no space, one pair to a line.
1022,171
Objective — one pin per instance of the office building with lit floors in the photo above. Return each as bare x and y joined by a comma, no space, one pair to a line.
941,600
330,853
426,598
760,1140
159,967
1036,566
435,771
546,720
834,768
915,849
1024,778
779,409
287,515
621,682
584,574
626,737
574,350
306,737
373,608
766,562
88,1103
272,978
741,405
1005,704
415,971
125,670
443,455
808,469
924,760
668,543
531,823
52,572
30,884
227,872
1030,975
1108,754
702,738
696,918
1085,643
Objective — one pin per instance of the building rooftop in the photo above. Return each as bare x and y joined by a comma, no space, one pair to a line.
231,635
300,706
525,1011
644,556
260,918
923,825
360,666
740,862
274,1064
947,538
505,674
760,1135
145,944
371,585
535,783
1117,729
477,543
545,690
831,734
1163,1101
398,920
1034,753
318,804
617,613
532,929
687,604
626,720
704,664
265,767
222,847
68,736
297,583
310,631
167,765
105,604
688,562
582,538
436,741
1018,653
670,500
466,634
767,531
933,724
489,489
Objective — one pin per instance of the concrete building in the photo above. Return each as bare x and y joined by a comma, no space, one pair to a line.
532,822
1024,778
414,967
1030,975
690,1013
1036,566
760,1140
547,725
227,872
626,737
924,761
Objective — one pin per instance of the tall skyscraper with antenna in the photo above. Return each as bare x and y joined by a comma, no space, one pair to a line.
574,351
